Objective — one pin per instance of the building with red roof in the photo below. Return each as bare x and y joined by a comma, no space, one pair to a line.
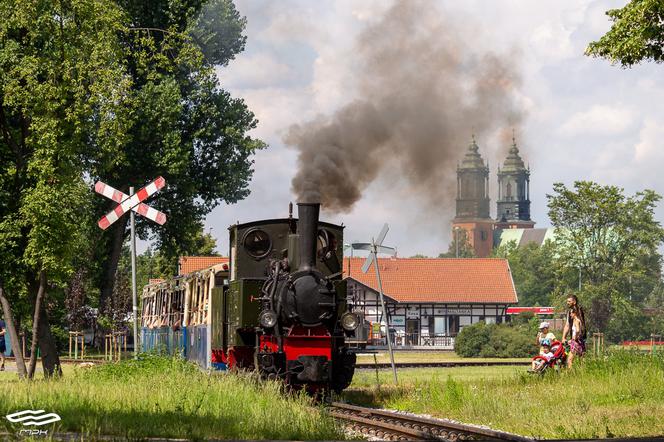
429,300
188,264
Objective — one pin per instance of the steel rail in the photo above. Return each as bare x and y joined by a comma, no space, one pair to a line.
371,365
402,426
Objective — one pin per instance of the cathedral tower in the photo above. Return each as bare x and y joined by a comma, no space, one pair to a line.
472,185
473,203
513,206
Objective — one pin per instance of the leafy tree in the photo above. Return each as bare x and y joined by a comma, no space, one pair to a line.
637,34
612,240
419,255
533,271
465,248
654,311
183,126
60,87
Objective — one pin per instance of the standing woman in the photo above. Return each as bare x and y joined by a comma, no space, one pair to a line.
575,327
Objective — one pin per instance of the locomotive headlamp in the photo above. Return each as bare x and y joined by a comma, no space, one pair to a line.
268,319
350,321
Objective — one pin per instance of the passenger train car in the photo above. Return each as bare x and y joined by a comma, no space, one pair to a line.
278,307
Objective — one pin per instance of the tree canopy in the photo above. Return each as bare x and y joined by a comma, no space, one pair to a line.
533,271
181,124
60,86
612,240
637,34
123,92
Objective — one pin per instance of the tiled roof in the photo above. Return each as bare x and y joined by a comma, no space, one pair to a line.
439,280
188,264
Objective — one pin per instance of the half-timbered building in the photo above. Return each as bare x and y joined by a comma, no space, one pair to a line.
429,300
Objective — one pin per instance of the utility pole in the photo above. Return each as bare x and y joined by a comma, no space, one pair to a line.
456,240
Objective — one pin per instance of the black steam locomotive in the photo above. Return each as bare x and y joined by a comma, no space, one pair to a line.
278,306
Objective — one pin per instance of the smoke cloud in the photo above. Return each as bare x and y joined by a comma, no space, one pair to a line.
423,90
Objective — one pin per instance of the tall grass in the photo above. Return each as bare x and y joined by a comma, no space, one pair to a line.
619,394
168,397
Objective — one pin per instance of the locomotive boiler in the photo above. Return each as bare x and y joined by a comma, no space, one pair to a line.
278,307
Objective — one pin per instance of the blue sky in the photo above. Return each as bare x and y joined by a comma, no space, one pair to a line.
584,118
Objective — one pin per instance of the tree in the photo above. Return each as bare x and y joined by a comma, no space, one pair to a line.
183,126
60,87
637,34
610,239
465,248
533,270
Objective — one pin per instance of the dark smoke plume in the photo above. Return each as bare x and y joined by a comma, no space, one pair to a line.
423,90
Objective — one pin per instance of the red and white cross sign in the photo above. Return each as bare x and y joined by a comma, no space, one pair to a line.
133,202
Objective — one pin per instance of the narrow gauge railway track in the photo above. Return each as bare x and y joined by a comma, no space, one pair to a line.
371,365
391,425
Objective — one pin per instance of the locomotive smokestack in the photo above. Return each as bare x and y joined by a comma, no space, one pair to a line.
307,229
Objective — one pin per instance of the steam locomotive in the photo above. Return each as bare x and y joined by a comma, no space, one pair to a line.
278,306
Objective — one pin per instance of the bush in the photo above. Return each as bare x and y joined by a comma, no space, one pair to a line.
495,341
471,339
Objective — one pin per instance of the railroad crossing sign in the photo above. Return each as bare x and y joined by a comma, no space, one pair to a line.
133,202
375,247
130,202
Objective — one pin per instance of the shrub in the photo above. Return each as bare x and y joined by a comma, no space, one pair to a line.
471,339
496,340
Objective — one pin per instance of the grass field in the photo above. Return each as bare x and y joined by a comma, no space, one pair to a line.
620,395
168,398
427,356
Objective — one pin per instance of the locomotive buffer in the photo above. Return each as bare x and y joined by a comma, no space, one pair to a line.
375,247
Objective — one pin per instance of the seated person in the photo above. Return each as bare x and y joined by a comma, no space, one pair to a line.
544,334
546,353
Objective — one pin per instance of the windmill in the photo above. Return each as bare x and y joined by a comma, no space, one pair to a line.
375,247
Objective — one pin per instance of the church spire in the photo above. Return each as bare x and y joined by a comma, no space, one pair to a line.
513,203
473,184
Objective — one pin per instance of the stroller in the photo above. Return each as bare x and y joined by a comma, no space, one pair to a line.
558,360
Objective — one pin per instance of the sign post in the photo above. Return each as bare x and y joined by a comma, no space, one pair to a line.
133,202
134,297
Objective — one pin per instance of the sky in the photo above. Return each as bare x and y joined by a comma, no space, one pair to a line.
580,117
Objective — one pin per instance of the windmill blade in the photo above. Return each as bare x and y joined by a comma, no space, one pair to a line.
367,263
361,246
382,234
386,250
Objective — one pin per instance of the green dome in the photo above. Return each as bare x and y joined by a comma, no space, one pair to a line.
472,159
513,162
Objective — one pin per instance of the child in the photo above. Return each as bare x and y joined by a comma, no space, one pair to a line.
544,334
546,353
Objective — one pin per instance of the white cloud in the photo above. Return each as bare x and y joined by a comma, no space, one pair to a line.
650,148
586,118
599,119
255,71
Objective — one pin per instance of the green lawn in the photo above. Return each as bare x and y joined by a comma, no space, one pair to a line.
163,397
622,395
